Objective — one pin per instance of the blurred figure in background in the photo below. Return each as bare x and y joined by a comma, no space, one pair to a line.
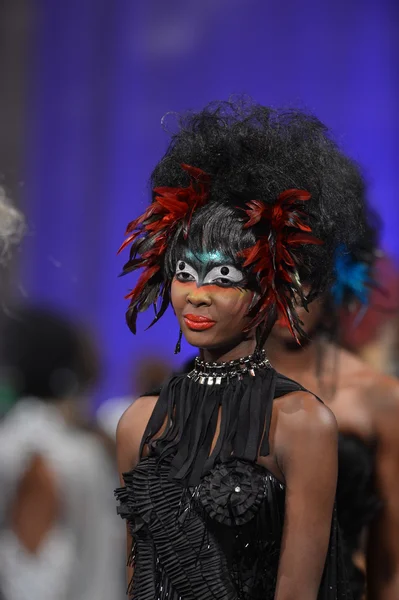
366,406
12,229
150,373
58,533
375,337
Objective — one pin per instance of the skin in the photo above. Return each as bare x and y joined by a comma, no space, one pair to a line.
37,506
36,495
303,433
365,404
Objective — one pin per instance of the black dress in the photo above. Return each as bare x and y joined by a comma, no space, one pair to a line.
209,526
357,502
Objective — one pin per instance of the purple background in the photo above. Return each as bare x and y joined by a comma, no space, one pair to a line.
102,75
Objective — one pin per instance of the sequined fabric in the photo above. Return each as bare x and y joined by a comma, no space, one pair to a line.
208,525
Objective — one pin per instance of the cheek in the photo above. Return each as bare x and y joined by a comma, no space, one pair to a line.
176,293
179,292
233,301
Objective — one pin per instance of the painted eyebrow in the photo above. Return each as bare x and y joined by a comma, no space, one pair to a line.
205,258
209,260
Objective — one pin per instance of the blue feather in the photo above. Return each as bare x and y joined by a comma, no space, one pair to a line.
352,277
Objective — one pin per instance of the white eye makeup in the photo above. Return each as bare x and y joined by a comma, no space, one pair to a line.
185,272
224,275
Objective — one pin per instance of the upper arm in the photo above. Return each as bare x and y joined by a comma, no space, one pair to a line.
306,448
36,504
130,432
383,542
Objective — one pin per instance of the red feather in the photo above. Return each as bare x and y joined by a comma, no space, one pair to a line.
297,239
128,241
170,212
293,195
143,280
256,211
273,257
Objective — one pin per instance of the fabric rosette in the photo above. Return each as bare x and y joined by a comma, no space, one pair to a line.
233,492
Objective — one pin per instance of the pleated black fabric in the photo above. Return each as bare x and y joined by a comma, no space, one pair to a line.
208,525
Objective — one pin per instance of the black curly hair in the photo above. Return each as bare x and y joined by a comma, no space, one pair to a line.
47,355
255,152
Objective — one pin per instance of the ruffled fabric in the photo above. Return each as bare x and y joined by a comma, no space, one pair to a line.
186,556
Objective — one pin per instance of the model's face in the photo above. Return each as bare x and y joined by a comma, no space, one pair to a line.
211,300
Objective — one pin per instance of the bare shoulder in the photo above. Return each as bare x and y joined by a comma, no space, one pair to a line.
301,412
130,431
377,391
382,399
136,416
384,390
306,431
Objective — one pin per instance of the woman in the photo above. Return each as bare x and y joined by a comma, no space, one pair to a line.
57,535
12,227
229,472
366,406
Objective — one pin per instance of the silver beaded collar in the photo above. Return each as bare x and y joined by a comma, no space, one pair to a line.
216,373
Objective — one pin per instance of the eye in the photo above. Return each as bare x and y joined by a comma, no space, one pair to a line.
185,272
225,275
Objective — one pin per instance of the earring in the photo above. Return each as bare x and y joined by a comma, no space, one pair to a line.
258,338
178,345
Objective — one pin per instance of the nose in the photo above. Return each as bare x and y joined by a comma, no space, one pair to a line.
199,296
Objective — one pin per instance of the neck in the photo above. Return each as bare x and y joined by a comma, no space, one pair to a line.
315,365
243,348
292,361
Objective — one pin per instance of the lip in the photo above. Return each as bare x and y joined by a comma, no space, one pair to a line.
198,322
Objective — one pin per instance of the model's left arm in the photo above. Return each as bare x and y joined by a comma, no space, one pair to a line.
305,446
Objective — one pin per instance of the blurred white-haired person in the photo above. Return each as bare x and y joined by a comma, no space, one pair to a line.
12,227
58,526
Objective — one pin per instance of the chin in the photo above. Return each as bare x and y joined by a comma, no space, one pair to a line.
199,340
204,340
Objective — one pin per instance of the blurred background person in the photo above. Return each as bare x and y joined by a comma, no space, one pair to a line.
374,335
149,373
59,533
365,403
12,230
